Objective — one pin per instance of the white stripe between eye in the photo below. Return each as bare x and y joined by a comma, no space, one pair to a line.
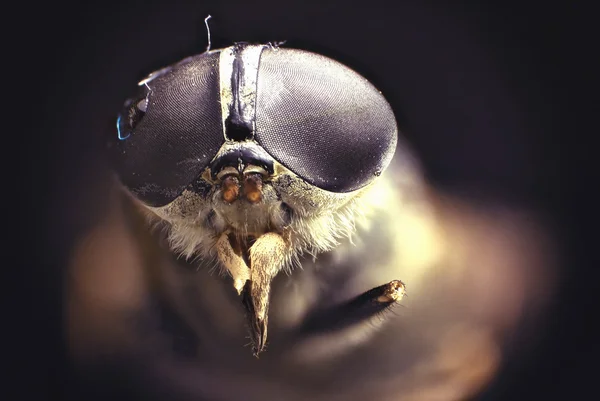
250,56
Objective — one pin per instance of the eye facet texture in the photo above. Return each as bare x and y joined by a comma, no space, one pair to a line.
322,120
315,116
179,134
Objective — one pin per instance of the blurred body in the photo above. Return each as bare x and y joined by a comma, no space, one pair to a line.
472,274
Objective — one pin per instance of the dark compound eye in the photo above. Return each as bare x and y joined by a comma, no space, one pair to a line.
315,116
171,131
322,120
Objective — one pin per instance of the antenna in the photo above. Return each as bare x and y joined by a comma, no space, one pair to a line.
207,30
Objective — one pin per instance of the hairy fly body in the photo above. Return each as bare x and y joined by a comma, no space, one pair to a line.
253,157
260,201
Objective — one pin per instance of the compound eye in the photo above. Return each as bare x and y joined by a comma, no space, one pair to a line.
322,120
170,131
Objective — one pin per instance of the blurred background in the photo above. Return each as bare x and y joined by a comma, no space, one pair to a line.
481,92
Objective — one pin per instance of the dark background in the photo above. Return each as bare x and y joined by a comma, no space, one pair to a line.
493,99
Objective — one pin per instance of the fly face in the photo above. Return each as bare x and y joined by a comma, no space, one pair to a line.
254,155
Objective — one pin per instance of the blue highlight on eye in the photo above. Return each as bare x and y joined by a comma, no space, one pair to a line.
119,130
